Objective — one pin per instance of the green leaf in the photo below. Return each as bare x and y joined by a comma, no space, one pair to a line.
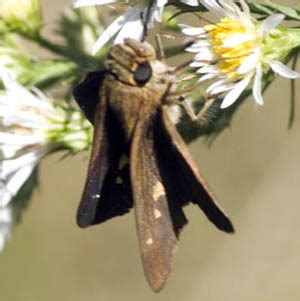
271,8
260,9
45,74
287,11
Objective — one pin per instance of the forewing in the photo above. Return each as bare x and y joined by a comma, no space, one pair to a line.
97,170
87,94
154,226
107,190
182,175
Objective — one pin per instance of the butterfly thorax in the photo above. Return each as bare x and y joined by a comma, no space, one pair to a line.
137,83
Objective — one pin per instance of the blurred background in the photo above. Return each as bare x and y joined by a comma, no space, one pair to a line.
254,169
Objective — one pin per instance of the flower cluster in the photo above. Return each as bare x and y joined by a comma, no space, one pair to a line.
22,15
130,24
31,127
237,49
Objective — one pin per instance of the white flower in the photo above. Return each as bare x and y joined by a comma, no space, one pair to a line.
233,52
6,223
31,127
190,2
129,24
25,120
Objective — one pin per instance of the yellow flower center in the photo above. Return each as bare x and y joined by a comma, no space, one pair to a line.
231,43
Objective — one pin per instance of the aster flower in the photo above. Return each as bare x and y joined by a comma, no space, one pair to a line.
31,127
21,16
24,121
129,24
6,223
237,50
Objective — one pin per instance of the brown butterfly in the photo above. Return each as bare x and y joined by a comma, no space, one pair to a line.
138,158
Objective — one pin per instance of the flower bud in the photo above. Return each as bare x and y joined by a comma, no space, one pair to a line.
22,16
279,43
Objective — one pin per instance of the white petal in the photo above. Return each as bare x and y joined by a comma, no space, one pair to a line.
36,122
24,140
11,166
5,197
236,39
19,93
207,77
198,46
21,117
250,63
133,28
157,11
230,6
192,31
9,151
5,215
224,8
221,89
256,91
215,85
235,93
268,24
7,77
161,3
214,7
81,3
208,69
245,7
5,231
283,70
198,64
204,55
15,184
111,30
190,2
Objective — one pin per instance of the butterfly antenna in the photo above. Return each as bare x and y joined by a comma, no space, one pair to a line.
146,19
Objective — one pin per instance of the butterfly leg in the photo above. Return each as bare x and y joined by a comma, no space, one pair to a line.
190,111
160,48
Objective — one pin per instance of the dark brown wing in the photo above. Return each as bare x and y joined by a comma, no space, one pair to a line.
107,190
87,94
181,176
154,225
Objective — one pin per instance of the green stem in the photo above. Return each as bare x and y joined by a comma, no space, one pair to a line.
84,61
293,95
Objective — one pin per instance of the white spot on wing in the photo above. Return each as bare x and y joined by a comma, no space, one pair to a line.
149,241
158,191
157,213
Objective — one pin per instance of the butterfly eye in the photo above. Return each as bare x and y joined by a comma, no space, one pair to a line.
143,73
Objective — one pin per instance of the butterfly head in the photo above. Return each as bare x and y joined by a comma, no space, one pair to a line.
131,62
